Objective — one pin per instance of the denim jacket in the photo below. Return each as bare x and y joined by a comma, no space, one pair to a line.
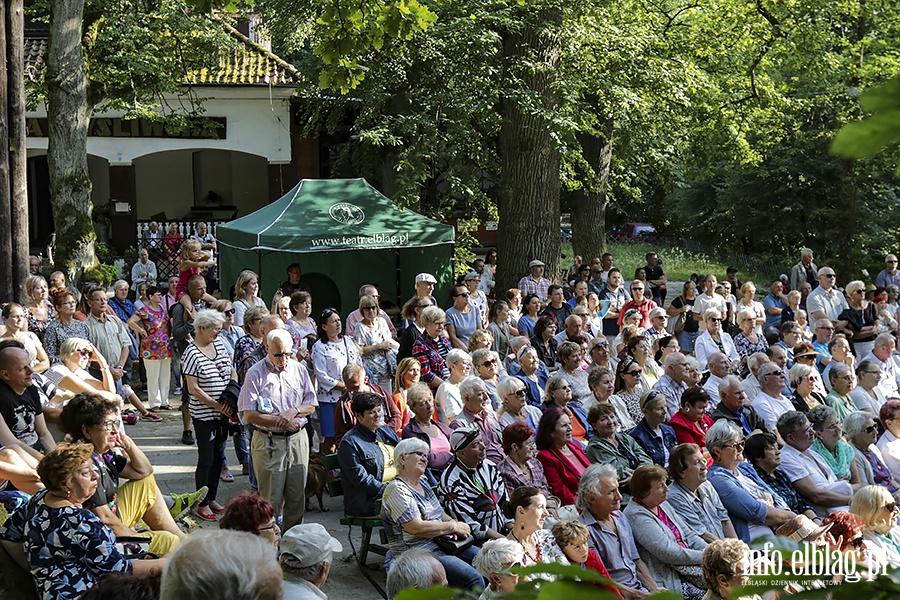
742,508
652,444
362,467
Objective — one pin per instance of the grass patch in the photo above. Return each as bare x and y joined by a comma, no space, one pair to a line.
678,263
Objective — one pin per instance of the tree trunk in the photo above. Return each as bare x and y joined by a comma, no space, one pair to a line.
589,202
7,283
18,159
528,200
68,116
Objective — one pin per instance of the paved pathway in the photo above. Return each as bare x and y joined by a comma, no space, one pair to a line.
174,465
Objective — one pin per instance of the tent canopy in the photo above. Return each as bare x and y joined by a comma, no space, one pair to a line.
343,233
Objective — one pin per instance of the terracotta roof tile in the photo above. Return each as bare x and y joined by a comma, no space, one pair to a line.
245,63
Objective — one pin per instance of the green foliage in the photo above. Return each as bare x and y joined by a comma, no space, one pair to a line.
866,138
104,253
101,274
139,55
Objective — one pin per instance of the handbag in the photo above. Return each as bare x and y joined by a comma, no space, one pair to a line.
448,544
692,574
676,325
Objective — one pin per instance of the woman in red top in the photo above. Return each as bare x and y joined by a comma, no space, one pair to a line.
691,422
562,458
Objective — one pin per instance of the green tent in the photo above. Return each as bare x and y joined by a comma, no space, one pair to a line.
343,233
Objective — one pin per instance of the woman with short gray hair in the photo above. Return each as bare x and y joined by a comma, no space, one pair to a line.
570,356
413,516
806,383
861,429
753,507
207,368
868,395
447,397
494,561
513,404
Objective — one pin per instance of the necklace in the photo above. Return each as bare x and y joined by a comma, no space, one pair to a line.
538,554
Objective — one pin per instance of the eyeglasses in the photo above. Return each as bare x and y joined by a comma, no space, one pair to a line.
774,374
85,352
271,525
734,446
856,543
508,570
228,313
282,355
519,393
109,425
891,507
418,453
565,388
488,363
825,328
871,429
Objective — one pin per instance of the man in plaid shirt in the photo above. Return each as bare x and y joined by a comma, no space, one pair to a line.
535,283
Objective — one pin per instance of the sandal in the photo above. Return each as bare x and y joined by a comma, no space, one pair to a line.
215,507
226,476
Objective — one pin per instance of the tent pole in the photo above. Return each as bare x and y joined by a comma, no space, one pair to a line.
397,282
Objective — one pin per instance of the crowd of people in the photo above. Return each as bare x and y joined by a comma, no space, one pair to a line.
588,423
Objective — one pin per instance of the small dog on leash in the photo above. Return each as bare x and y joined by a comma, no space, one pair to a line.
315,480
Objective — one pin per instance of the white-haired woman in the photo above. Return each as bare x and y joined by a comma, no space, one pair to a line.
861,317
714,339
447,398
753,507
207,368
495,561
413,516
861,429
878,509
748,341
513,405
868,395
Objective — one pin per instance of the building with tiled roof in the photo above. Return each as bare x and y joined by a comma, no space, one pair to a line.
141,171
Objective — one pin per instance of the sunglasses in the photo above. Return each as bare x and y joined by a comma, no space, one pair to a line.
871,429
327,313
520,393
734,446
632,373
488,363
85,352
890,507
856,543
464,295
228,313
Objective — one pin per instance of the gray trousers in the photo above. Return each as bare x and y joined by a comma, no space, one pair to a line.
280,469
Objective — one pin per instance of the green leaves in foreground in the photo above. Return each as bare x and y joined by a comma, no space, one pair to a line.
868,137
571,582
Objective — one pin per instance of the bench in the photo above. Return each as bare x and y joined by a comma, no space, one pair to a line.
367,524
